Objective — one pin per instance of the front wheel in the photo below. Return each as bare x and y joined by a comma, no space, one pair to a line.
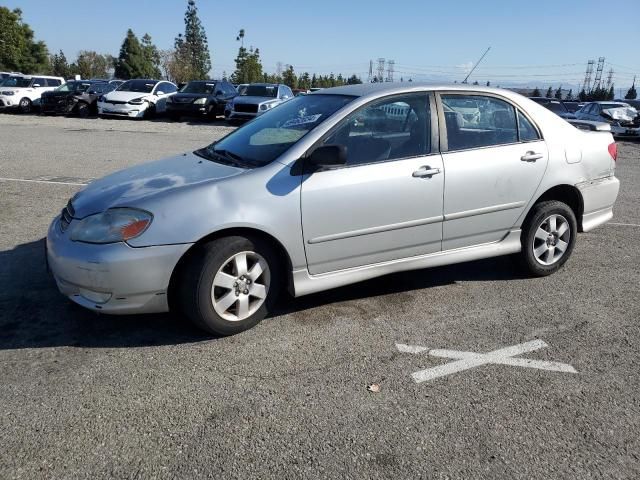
25,105
548,238
230,284
83,109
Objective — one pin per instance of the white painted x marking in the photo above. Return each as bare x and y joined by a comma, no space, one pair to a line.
467,360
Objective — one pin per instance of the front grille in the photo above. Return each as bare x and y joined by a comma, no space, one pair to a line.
66,216
115,102
245,108
183,100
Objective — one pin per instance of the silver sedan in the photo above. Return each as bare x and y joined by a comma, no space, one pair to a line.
329,189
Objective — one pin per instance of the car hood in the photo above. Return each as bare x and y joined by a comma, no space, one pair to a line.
192,95
125,96
252,100
139,184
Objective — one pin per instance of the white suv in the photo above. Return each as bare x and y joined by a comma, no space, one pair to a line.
23,91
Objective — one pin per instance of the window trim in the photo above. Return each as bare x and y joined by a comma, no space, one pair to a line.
434,141
444,141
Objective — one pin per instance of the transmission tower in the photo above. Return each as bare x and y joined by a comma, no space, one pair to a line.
598,79
609,78
370,78
586,86
380,75
390,67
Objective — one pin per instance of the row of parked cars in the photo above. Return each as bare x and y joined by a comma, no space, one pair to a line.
140,98
621,115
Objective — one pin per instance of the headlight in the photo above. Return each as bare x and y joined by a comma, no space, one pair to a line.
268,105
114,225
200,101
137,101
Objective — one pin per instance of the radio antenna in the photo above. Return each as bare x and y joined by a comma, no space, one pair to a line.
476,65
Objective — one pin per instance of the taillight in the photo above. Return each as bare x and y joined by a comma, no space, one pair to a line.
613,151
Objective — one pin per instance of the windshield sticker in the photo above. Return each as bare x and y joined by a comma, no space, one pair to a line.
302,120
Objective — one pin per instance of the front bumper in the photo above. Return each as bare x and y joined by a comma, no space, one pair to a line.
189,108
9,101
112,278
122,109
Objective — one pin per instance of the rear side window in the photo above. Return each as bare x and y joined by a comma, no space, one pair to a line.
52,82
39,81
474,121
526,131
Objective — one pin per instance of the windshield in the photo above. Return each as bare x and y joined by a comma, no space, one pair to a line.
606,106
199,87
556,107
142,86
73,87
19,82
264,139
260,91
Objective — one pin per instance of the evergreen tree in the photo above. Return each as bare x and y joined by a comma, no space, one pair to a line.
354,80
631,93
248,64
192,49
289,77
582,96
569,96
151,57
549,93
131,60
558,94
536,92
59,65
304,82
314,81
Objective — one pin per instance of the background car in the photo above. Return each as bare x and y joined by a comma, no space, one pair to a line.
23,92
556,106
201,98
255,100
79,97
138,98
622,117
634,103
572,106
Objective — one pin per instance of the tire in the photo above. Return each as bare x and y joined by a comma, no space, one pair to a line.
83,109
149,112
236,303
25,105
175,117
548,238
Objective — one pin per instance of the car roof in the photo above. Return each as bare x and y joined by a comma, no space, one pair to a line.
262,84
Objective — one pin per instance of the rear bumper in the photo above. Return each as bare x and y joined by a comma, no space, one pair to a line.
113,278
598,197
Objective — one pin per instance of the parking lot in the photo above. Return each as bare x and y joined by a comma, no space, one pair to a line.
89,396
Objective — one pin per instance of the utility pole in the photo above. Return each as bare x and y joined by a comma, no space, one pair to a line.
390,68
370,79
609,79
380,75
598,80
586,85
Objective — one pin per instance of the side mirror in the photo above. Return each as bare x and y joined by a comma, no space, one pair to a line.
35,85
328,156
159,93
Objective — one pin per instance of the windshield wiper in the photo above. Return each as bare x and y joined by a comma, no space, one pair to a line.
226,157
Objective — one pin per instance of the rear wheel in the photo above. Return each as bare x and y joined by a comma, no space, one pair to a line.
230,284
25,105
83,109
175,117
548,238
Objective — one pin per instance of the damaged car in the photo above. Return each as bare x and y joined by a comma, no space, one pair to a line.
622,117
79,97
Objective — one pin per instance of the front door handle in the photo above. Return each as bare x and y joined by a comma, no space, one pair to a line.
531,157
426,171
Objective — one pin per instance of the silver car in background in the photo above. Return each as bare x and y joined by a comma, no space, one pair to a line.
256,99
329,189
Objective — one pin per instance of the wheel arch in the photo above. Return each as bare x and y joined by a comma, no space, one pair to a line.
227,232
564,193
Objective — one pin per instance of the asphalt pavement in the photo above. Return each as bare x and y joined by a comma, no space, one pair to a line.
92,396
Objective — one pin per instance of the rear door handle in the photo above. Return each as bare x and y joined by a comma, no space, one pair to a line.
531,157
426,171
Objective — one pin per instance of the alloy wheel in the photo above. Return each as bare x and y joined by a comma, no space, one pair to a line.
551,239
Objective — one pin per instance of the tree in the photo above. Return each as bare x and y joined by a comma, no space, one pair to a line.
248,64
611,93
59,65
354,80
558,94
130,62
569,96
192,49
582,96
488,83
151,57
289,77
536,92
90,64
631,93
18,48
549,93
304,81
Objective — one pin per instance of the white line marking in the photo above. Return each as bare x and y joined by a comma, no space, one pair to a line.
624,224
40,181
466,360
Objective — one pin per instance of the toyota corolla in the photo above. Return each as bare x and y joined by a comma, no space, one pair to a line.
329,189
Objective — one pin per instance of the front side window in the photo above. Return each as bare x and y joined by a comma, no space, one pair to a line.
387,129
18,82
265,138
474,121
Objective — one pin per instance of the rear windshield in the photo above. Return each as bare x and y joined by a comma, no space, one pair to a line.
142,86
260,91
556,107
199,87
606,106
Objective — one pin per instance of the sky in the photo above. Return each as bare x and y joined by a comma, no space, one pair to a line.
538,43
